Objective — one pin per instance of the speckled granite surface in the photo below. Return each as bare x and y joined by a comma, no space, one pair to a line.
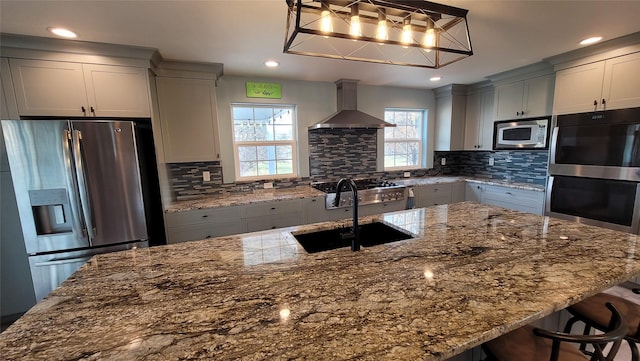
471,273
243,198
309,192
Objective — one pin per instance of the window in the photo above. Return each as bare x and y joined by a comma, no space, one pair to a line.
264,141
404,143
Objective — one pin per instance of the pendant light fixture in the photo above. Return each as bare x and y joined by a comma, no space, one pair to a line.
413,32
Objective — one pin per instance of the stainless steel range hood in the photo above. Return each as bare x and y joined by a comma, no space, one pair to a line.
348,116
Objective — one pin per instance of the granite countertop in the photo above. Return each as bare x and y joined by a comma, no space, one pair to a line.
234,199
471,273
269,195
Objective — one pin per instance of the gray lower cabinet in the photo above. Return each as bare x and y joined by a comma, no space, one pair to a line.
523,200
314,210
272,215
437,194
204,223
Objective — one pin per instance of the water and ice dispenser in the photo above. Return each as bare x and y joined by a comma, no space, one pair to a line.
51,211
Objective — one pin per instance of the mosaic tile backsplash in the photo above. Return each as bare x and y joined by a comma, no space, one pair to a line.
521,166
342,152
512,166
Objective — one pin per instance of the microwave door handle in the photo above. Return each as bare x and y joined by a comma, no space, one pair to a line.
82,184
554,144
76,207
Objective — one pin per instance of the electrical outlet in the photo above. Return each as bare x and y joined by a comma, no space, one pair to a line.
268,185
407,174
443,161
491,161
206,176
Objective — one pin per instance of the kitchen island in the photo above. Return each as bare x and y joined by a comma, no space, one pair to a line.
471,273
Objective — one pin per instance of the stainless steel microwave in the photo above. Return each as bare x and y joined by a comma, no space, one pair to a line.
530,133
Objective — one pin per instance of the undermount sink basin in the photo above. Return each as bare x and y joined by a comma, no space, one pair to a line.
371,234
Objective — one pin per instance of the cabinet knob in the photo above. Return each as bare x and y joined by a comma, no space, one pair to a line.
92,110
84,110
595,103
604,102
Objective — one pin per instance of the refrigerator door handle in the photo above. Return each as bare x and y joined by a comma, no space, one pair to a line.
76,207
82,184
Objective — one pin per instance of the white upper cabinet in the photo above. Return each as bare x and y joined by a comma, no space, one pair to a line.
524,99
117,91
54,88
478,132
609,84
188,114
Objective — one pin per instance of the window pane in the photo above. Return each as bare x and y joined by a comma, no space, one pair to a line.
266,152
283,116
284,152
266,167
248,169
263,115
283,132
263,131
247,154
244,131
285,166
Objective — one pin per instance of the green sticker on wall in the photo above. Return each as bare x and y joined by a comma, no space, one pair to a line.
264,90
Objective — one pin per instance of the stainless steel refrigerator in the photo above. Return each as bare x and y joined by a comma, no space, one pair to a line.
79,192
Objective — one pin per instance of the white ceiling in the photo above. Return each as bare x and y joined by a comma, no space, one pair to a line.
242,34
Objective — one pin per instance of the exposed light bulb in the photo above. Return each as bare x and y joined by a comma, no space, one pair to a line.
326,24
355,29
430,39
381,32
406,32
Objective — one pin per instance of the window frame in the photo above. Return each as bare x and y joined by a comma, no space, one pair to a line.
421,140
293,142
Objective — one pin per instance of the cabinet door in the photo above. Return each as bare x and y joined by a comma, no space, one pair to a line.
187,114
577,88
538,96
473,121
117,91
485,131
508,100
621,87
473,192
50,88
314,210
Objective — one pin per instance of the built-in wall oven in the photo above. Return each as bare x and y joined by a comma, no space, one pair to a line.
594,169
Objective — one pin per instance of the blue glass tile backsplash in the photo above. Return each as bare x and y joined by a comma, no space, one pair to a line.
521,166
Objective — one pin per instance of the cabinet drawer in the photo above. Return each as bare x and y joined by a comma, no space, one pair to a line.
315,210
277,207
516,199
203,216
202,231
382,208
275,221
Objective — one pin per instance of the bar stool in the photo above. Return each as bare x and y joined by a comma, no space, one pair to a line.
593,313
528,343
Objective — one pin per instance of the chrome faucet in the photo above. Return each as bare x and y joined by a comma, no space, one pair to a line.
355,231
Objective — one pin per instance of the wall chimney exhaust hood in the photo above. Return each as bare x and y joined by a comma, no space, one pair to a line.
348,116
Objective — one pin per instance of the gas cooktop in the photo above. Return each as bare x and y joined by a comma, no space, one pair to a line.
370,191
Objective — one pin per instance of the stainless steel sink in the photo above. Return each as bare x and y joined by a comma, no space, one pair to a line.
371,234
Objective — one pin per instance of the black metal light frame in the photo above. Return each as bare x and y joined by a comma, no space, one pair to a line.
452,41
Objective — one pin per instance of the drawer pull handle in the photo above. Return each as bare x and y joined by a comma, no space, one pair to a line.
273,227
207,237
273,208
205,216
509,193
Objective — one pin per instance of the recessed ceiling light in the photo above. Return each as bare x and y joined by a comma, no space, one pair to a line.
65,33
435,78
271,63
591,40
